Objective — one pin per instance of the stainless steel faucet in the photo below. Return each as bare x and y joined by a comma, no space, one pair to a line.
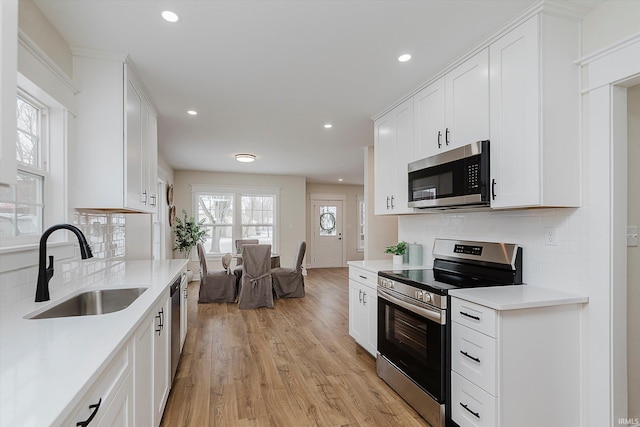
46,273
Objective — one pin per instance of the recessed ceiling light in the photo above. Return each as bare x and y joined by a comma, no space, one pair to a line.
192,112
404,58
340,179
170,16
245,158
328,126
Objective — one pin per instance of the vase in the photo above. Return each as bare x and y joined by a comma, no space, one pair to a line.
397,259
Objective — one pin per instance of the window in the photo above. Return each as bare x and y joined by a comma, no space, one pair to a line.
237,213
361,220
22,205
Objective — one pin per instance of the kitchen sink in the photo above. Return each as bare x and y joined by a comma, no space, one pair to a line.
99,301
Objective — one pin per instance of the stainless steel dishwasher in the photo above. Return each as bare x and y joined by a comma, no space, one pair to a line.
175,327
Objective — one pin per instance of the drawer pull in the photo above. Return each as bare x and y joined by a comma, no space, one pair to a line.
362,277
475,414
95,408
470,315
470,356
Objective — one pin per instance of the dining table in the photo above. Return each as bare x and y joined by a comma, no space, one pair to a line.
275,259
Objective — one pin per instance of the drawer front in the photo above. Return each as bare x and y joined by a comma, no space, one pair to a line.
474,316
363,276
102,391
473,355
470,405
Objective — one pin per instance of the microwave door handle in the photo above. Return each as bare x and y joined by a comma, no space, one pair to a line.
433,315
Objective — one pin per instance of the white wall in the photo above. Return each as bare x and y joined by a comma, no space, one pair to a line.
350,213
292,202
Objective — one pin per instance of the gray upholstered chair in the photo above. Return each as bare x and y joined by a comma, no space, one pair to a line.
215,286
256,289
239,244
289,282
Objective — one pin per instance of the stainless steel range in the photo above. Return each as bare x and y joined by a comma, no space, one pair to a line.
413,333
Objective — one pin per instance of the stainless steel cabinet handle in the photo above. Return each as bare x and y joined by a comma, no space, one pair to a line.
153,199
360,295
439,139
387,202
364,301
475,359
392,205
446,136
144,197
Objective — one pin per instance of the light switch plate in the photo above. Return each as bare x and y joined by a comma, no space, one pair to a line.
632,235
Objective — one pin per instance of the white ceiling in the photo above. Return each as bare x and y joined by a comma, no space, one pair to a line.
266,75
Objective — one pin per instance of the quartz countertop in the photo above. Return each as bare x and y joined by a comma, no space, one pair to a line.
517,297
383,264
47,365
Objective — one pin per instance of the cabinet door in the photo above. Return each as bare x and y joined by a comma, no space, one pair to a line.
370,302
120,411
385,161
183,310
357,314
429,120
133,148
515,106
403,154
8,81
144,371
467,102
161,359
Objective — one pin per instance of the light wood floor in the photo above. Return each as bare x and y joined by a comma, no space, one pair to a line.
293,365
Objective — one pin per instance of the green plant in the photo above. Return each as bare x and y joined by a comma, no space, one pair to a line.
398,249
188,234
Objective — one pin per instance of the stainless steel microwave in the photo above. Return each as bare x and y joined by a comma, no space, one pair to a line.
457,178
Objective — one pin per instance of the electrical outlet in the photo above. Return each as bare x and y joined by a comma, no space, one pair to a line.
550,237
632,235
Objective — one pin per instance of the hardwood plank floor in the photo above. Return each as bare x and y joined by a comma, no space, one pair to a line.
293,365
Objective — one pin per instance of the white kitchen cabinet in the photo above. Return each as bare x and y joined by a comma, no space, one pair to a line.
515,367
534,110
393,142
363,308
161,357
115,160
109,401
8,85
454,110
184,289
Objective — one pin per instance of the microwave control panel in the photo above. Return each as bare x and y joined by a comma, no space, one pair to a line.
473,178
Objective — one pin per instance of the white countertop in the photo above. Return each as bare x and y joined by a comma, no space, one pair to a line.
517,297
383,264
46,364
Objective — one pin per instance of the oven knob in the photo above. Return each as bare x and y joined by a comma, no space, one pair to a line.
419,295
427,297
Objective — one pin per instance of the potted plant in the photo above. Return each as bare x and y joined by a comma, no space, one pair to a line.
397,251
188,234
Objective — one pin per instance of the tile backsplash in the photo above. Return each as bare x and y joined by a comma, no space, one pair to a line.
106,235
561,266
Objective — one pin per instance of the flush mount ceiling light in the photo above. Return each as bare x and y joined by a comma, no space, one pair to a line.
340,179
170,16
245,158
404,58
328,126
192,112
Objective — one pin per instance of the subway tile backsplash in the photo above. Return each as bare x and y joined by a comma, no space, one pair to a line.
561,266
106,235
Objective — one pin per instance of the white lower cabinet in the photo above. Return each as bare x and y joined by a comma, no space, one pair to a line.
152,365
363,308
517,367
109,401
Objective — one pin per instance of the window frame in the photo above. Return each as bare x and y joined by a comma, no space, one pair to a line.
238,192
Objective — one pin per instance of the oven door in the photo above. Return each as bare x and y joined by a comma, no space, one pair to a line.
413,338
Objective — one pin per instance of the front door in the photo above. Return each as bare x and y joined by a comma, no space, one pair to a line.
327,237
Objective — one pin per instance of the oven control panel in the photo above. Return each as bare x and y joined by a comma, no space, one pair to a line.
412,292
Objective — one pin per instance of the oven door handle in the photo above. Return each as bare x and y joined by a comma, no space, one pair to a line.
434,315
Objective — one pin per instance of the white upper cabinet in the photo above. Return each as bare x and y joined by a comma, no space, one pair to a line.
454,110
535,148
393,141
115,157
8,84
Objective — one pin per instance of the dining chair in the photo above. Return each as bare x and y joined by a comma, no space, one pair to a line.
215,286
239,244
289,282
256,289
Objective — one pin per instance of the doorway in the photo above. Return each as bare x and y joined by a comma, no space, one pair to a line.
327,243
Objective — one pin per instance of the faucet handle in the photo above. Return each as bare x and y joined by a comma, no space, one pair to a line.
50,268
